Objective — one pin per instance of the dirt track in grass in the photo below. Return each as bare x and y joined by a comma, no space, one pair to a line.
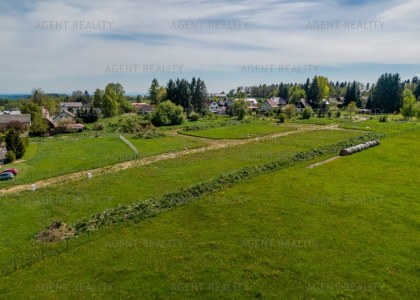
213,144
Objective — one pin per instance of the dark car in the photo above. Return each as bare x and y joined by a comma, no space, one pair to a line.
13,171
6,176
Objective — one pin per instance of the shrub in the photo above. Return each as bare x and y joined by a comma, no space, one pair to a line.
15,144
167,114
194,117
282,117
338,114
134,124
10,157
149,135
98,126
290,110
383,118
307,113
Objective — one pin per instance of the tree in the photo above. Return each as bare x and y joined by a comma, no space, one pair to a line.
77,96
88,115
283,91
114,101
14,143
353,95
307,113
352,108
98,97
386,96
198,95
153,91
313,92
161,95
296,94
167,113
409,101
290,111
39,125
239,108
417,91
38,95
323,88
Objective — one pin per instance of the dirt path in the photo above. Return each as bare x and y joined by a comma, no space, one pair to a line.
213,144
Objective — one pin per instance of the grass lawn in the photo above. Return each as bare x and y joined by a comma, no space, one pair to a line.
322,233
24,214
63,154
393,125
241,131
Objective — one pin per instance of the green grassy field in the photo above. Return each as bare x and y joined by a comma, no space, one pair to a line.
26,213
240,131
393,126
323,233
63,154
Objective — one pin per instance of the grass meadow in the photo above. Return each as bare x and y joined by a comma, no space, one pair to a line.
347,229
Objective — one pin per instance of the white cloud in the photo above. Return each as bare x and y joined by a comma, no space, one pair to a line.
141,34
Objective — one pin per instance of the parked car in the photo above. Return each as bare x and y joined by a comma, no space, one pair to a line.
6,176
13,171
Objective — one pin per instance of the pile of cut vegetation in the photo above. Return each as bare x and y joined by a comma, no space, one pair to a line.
57,231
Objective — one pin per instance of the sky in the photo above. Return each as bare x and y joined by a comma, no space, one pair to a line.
63,46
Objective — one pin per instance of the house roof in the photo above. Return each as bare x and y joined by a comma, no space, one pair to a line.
51,120
147,108
139,105
303,102
23,118
71,104
272,103
69,113
278,100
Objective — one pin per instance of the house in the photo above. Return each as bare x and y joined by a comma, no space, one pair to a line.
25,119
46,116
217,96
65,114
301,104
146,109
217,107
71,106
213,107
272,103
143,108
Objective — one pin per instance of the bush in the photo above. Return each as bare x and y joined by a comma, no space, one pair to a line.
282,117
338,114
290,110
383,118
194,117
98,126
134,124
167,114
307,113
10,157
15,144
149,135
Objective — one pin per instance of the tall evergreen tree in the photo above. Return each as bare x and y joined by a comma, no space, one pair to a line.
387,93
313,92
153,91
